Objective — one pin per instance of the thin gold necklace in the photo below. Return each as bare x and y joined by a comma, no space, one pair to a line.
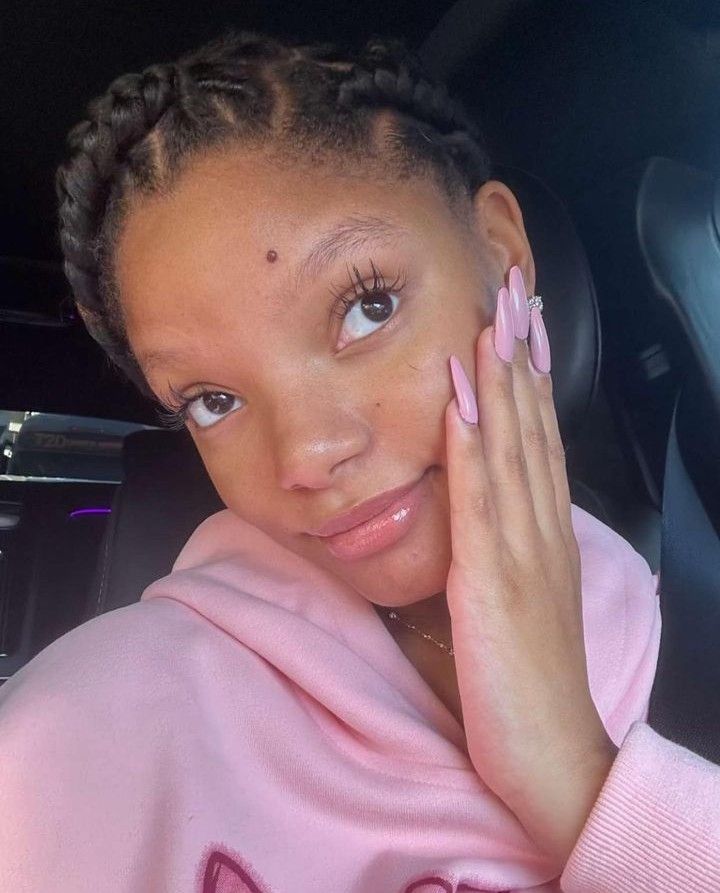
393,615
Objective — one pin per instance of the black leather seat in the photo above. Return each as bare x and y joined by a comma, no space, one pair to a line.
685,701
678,230
167,493
653,233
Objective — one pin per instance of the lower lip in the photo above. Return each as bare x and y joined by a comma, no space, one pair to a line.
381,531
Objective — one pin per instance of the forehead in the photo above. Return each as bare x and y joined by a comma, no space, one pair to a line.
249,193
199,247
243,194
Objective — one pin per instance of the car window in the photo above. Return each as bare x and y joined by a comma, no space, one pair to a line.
62,447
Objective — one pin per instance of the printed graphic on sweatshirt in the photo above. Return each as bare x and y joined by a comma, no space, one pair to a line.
224,874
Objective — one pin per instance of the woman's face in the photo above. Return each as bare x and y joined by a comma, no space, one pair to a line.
312,413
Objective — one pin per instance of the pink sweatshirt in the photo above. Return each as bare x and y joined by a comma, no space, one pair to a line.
251,726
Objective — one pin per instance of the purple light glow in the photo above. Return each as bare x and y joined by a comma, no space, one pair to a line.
101,510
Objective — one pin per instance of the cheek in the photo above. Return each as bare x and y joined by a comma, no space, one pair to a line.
416,399
409,421
238,481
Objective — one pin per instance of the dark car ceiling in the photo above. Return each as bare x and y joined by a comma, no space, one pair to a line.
59,54
568,90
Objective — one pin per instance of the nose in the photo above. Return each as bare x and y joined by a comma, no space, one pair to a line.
314,435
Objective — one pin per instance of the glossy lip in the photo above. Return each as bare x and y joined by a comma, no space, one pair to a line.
362,512
382,531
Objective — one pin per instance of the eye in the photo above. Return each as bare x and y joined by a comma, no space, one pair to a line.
367,314
209,407
371,310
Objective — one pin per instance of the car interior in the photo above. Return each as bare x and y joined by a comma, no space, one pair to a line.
601,117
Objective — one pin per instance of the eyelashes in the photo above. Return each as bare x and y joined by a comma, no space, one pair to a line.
379,287
176,417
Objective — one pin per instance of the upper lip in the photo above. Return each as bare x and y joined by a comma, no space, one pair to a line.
361,512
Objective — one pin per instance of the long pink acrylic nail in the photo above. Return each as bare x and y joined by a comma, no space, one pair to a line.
518,296
504,327
539,344
467,403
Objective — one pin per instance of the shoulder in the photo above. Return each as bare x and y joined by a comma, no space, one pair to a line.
90,732
124,657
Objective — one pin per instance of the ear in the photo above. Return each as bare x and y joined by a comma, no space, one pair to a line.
499,224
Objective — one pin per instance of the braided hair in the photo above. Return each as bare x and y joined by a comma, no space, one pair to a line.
317,101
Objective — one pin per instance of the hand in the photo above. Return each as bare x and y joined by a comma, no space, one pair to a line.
514,596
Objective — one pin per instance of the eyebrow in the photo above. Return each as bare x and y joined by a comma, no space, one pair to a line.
156,357
351,234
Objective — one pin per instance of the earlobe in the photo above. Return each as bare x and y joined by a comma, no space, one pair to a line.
499,223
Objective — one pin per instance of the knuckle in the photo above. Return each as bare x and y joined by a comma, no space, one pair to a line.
509,600
513,461
520,356
481,506
545,388
557,453
535,437
502,390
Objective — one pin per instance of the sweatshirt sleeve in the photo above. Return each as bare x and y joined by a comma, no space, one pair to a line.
655,827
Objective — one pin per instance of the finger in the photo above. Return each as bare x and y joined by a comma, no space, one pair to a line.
536,442
501,434
473,520
555,451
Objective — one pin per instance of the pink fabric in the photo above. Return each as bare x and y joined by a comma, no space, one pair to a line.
251,725
655,827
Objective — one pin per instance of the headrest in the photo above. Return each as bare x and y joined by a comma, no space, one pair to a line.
678,221
166,492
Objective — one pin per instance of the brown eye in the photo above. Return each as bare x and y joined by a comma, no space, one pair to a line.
373,309
378,308
217,403
208,408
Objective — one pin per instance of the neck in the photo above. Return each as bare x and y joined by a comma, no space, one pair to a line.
430,616
433,664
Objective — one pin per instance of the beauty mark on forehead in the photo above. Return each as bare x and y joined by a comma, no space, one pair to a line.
350,235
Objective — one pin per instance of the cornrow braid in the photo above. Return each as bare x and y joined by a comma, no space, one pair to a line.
248,88
117,121
397,81
389,75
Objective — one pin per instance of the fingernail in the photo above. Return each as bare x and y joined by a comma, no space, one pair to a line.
504,327
467,403
539,344
518,295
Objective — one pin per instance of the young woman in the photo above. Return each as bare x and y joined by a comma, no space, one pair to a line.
400,660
